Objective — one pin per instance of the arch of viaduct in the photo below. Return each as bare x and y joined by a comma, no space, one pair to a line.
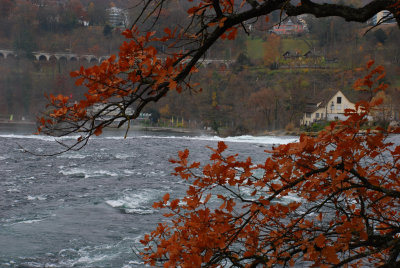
58,56
46,56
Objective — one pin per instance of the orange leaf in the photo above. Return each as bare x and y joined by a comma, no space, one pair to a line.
79,81
98,131
166,197
232,34
207,199
172,85
167,31
370,63
320,241
221,147
174,204
74,74
330,254
222,21
112,58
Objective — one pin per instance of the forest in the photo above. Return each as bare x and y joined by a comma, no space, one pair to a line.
260,89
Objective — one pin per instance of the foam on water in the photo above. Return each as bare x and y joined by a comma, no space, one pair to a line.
33,264
72,156
291,197
96,258
241,139
136,203
80,172
30,221
86,256
38,137
13,190
122,156
135,264
38,197
22,221
26,220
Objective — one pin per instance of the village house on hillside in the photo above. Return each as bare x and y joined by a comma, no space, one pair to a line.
290,26
326,109
118,17
331,108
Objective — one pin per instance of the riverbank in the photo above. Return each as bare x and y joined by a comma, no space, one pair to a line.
189,131
18,127
280,132
16,123
31,127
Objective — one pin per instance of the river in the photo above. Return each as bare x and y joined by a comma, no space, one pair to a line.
91,207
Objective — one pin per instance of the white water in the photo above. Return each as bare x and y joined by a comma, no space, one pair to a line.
242,139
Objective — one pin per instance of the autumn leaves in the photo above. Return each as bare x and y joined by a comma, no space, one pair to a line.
345,213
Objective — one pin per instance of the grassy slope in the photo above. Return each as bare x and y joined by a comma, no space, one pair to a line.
255,47
294,45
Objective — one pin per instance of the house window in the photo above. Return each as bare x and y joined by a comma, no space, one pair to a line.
322,115
339,100
317,115
308,115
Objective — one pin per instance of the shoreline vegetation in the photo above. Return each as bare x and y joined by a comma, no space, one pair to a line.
180,130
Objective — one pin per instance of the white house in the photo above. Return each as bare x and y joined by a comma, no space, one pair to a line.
384,17
117,17
329,109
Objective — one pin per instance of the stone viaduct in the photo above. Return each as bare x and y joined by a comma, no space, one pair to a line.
71,57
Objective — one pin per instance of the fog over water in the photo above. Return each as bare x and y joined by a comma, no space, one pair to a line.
90,208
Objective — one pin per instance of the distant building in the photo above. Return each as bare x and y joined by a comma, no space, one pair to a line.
290,26
42,3
326,109
312,54
332,107
117,17
83,22
383,17
291,55
103,113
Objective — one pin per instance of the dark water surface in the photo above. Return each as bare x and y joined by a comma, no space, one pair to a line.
90,208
